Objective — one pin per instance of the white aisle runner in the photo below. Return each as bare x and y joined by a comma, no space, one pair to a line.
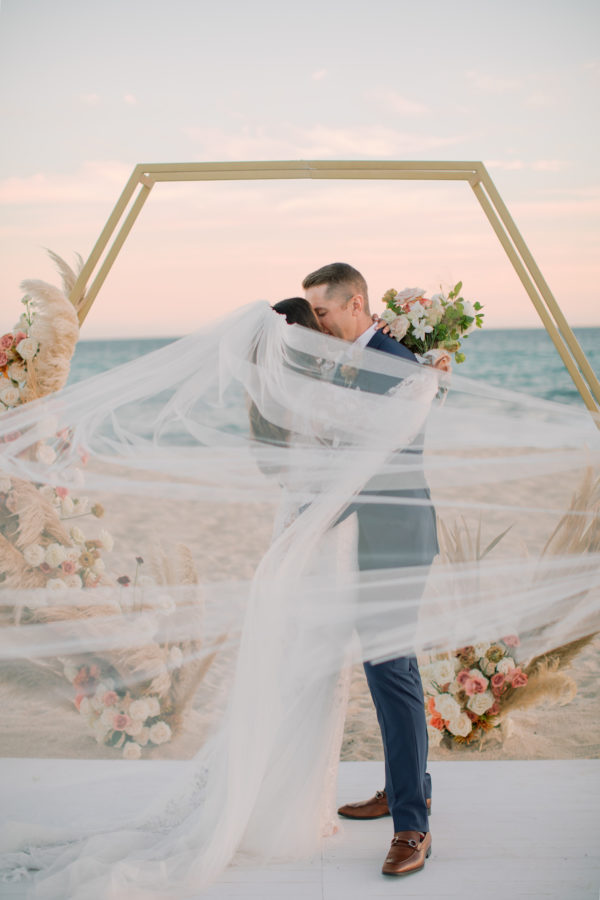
501,830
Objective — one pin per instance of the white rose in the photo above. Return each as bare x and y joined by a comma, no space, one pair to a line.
10,396
66,506
153,707
99,567
135,727
160,733
460,726
54,555
481,649
388,315
97,703
100,731
505,665
34,555
46,454
487,666
143,737
107,540
107,717
55,584
77,535
85,707
434,735
480,703
408,294
175,657
447,706
399,327
131,750
73,581
5,484
443,671
140,709
17,372
27,348
72,553
454,688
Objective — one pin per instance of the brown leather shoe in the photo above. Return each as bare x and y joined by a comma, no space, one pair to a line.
408,853
375,808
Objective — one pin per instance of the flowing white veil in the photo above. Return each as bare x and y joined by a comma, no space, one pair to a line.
209,612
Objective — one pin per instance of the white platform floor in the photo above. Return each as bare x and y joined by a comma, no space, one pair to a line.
501,830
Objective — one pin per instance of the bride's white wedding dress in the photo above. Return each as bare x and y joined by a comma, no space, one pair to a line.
169,442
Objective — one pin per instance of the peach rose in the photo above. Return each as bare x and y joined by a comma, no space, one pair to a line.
110,698
518,678
121,721
6,341
511,640
498,681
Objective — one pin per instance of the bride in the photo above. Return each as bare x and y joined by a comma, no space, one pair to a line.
240,442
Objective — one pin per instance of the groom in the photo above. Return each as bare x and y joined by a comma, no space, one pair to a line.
389,535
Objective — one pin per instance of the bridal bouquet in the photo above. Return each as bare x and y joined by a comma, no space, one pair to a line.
465,693
439,323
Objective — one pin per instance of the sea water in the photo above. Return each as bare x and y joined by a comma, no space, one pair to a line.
522,360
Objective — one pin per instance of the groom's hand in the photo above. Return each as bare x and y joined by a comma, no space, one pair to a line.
381,324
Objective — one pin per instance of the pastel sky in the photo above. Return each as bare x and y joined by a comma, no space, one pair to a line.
88,89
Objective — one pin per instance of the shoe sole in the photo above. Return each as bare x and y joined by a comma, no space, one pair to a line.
363,818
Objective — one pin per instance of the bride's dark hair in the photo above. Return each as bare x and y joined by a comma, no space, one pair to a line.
297,311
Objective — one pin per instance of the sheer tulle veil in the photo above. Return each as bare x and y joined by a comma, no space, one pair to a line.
219,591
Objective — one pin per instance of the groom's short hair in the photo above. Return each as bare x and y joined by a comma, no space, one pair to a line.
337,275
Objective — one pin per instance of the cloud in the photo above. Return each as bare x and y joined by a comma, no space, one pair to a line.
394,102
549,165
90,99
130,99
88,185
489,84
316,142
509,165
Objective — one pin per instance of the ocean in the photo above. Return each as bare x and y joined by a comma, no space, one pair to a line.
517,359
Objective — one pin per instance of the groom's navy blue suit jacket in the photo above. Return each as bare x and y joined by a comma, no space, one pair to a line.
395,534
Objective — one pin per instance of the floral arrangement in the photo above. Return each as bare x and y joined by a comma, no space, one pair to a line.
439,323
465,692
116,717
17,349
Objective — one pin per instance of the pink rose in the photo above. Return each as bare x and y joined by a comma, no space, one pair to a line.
476,683
68,567
110,698
6,341
19,336
494,709
62,492
518,678
3,358
511,640
463,677
498,681
121,721
45,568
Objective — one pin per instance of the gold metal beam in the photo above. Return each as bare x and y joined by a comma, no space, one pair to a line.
145,175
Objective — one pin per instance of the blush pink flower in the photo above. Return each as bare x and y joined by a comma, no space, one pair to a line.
6,341
121,721
3,358
78,700
476,683
110,698
511,640
518,678
68,567
62,492
19,336
498,681
463,677
494,709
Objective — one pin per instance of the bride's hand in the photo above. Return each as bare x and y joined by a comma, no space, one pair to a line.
380,324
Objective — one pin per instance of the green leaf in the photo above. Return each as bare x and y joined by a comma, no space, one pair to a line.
459,357
496,540
477,305
114,738
458,287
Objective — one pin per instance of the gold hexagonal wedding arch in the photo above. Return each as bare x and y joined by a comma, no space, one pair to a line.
144,177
